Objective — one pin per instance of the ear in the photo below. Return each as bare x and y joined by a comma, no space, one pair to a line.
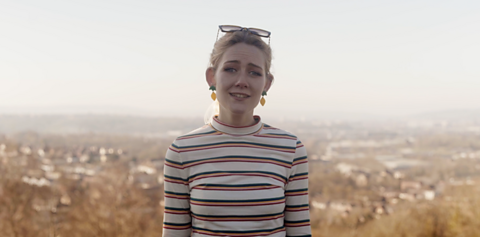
210,75
268,83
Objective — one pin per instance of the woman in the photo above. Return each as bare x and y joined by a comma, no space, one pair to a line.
237,176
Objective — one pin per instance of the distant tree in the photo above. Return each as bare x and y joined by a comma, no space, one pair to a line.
110,206
23,208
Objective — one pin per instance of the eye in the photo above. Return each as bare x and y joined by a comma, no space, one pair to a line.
230,69
254,73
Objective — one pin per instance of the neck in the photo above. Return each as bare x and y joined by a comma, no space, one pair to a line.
236,120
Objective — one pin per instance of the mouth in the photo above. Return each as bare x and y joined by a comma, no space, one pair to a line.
239,95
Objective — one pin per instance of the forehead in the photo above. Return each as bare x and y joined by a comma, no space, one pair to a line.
245,54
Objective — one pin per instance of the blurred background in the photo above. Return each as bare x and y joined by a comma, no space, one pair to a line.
384,95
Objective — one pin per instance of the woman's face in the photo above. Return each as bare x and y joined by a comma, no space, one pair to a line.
240,79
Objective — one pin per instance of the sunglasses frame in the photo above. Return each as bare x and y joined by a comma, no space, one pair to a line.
249,29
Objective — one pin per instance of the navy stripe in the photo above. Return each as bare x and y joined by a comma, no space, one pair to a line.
299,174
177,209
238,231
295,206
186,194
294,222
176,178
300,158
296,190
235,185
174,162
177,224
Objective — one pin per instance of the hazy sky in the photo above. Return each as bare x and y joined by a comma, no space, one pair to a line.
375,57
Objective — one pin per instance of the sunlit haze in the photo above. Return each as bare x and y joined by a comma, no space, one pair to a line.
378,58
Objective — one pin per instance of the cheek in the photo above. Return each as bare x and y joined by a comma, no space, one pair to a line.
222,87
223,81
259,86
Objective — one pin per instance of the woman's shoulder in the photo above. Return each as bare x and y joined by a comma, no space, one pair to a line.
283,137
276,131
204,130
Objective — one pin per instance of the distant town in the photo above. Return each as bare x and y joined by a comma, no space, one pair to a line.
360,172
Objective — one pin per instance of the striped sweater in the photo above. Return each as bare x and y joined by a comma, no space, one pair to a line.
222,180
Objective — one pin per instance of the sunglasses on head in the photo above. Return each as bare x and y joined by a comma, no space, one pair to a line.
255,31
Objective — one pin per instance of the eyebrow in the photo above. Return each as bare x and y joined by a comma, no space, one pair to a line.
250,64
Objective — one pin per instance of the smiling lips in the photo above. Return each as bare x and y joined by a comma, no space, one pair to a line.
239,95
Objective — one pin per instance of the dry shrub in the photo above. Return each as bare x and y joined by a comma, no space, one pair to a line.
107,206
459,216
24,209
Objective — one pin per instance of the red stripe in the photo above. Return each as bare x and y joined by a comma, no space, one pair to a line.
296,178
239,204
177,213
304,209
296,194
294,164
175,197
174,150
174,166
177,228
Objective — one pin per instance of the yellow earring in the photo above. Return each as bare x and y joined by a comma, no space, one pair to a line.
262,101
214,96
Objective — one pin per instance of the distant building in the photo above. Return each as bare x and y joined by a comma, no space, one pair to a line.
345,169
361,180
429,194
319,205
410,185
406,196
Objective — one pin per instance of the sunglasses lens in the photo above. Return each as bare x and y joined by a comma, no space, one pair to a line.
228,28
260,32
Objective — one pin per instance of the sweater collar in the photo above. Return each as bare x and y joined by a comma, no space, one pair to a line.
237,130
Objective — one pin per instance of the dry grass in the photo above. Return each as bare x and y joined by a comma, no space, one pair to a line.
459,215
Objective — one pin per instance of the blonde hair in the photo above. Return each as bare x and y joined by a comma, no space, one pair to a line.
232,38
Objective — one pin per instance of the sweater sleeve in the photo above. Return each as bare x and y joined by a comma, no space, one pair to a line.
177,218
297,215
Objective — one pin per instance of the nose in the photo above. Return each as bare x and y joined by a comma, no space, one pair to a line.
242,80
